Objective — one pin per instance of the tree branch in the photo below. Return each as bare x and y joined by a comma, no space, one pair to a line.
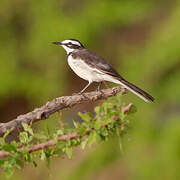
44,145
52,142
54,106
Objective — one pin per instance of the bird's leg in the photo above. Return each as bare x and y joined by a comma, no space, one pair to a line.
105,84
99,86
85,88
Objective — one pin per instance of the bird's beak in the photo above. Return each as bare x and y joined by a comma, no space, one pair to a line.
57,43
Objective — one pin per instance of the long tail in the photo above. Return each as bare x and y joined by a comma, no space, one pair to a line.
137,91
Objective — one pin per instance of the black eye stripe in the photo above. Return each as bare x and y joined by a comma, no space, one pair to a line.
72,46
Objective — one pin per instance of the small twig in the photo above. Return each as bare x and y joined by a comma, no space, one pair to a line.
127,108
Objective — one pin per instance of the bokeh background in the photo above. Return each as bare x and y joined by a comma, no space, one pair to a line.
140,38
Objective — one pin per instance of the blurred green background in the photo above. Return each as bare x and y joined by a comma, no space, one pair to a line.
140,38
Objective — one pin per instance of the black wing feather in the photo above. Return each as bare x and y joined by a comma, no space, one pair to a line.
96,61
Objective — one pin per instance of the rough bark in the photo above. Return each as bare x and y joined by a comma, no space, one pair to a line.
53,106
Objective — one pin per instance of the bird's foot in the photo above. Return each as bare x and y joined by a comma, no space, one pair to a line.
99,91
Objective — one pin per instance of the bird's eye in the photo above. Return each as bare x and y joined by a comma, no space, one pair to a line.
70,43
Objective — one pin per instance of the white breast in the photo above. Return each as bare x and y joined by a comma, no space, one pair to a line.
84,71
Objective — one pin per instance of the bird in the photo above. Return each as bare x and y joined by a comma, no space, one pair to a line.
93,68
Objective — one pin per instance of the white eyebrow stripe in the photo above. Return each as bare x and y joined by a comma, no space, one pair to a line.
73,42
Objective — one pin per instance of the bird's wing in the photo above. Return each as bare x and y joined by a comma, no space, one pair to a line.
95,61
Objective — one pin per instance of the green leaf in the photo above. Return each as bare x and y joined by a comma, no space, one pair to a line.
42,155
19,164
97,124
48,155
74,142
9,147
104,132
107,121
82,131
27,128
98,109
48,130
99,138
9,171
2,141
68,143
23,137
91,138
117,131
6,133
69,152
75,124
85,116
2,161
28,157
35,164
61,144
58,133
83,143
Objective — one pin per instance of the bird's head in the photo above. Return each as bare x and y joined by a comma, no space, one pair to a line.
70,45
